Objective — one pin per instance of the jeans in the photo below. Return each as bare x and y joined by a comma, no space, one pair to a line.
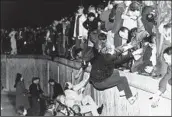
115,80
78,43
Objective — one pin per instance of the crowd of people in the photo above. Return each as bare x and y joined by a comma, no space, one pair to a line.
69,101
120,34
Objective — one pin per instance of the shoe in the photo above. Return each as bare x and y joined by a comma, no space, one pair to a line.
156,76
100,109
122,94
133,99
155,101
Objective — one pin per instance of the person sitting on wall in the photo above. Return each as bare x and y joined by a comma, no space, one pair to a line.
74,96
103,76
57,88
99,41
164,81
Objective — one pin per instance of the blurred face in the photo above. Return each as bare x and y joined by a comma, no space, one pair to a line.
79,55
148,69
36,81
68,85
80,11
167,58
136,13
124,34
92,9
51,83
55,23
61,99
76,108
110,5
167,34
91,19
99,11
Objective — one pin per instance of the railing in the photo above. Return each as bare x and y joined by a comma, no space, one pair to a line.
63,70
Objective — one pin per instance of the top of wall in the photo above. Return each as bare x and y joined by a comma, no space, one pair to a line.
141,82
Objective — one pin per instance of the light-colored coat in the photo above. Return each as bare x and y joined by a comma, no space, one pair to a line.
13,42
82,31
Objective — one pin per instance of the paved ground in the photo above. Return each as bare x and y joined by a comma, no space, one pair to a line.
8,104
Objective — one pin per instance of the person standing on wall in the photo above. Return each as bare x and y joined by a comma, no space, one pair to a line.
79,31
13,42
51,39
21,92
103,76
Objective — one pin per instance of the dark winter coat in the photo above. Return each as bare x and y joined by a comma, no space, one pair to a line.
21,96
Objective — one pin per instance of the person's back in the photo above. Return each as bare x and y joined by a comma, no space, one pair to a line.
33,92
57,90
101,68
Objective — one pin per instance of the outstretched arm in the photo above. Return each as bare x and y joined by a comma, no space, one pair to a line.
82,84
118,51
79,73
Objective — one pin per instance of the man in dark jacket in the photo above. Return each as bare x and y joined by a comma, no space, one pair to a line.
36,92
103,76
57,88
91,23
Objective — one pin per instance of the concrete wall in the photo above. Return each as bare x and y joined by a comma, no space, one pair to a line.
63,70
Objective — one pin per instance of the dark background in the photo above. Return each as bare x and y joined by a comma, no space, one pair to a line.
20,13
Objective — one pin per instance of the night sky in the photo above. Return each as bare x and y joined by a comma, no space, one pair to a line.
20,13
